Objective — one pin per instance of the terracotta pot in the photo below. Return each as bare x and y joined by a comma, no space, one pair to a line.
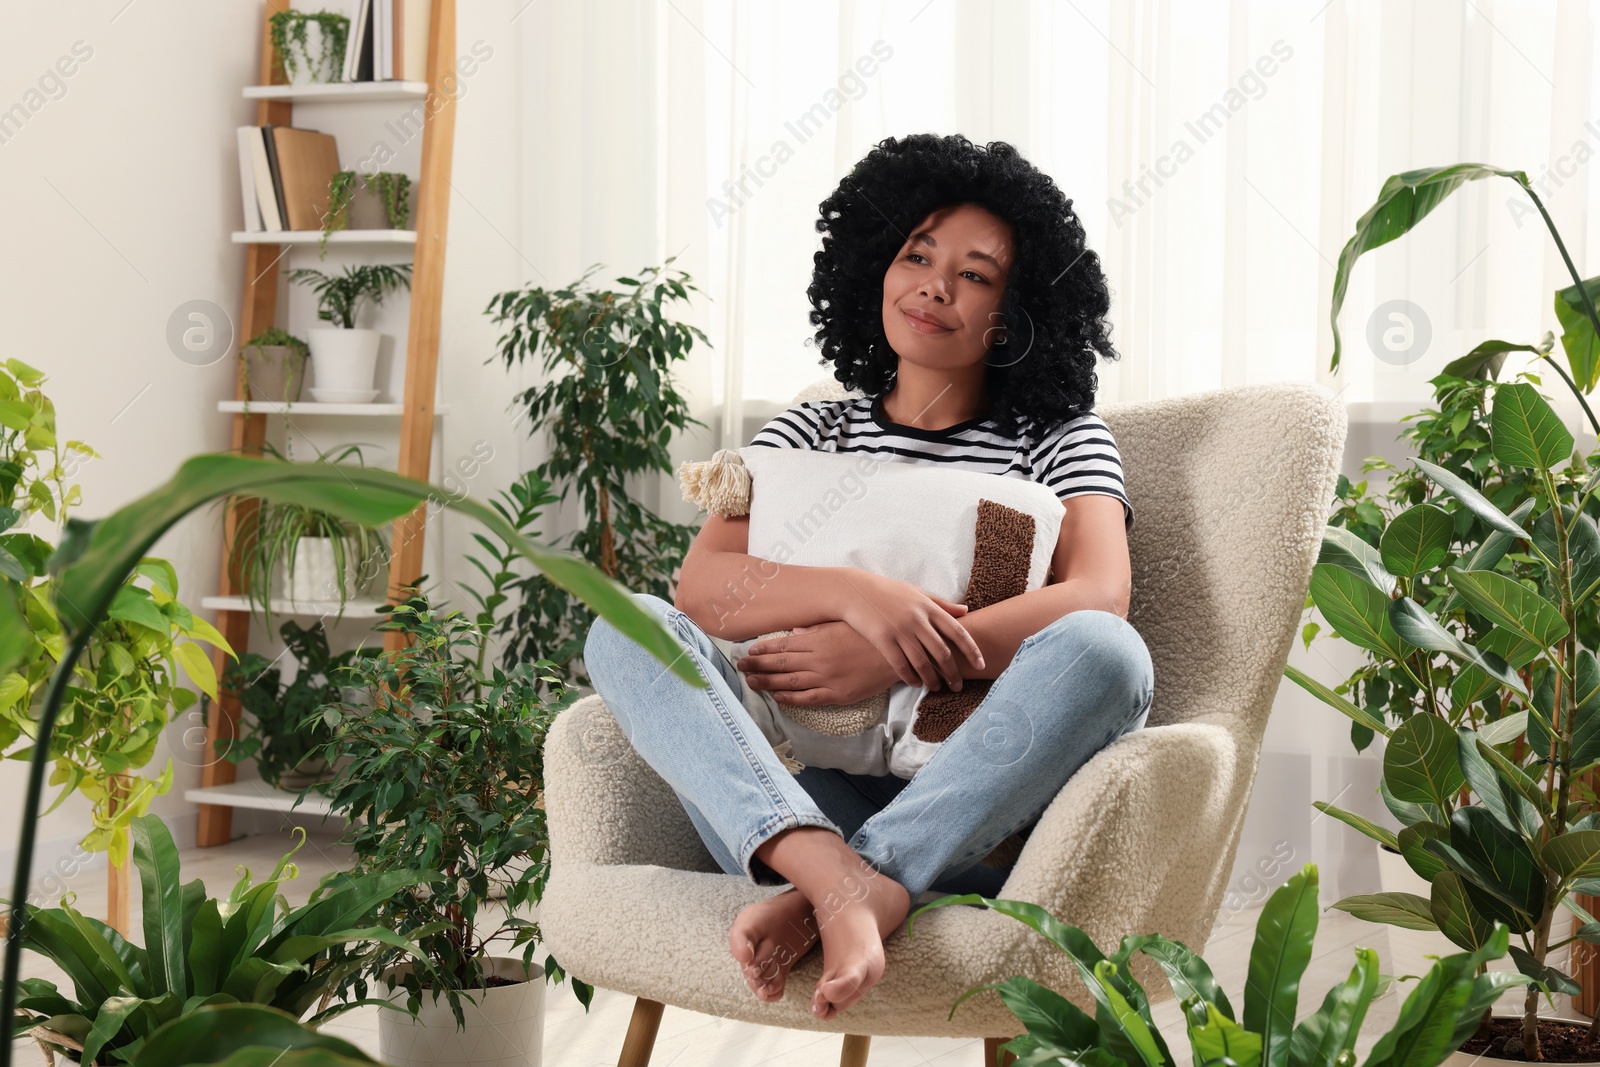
505,1027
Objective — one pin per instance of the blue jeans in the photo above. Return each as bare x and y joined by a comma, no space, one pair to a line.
1072,688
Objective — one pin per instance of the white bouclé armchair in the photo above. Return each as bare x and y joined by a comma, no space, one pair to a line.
1232,489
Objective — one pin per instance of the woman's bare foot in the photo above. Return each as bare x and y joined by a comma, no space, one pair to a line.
855,907
769,937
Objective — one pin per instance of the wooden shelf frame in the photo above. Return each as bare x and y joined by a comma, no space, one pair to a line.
274,106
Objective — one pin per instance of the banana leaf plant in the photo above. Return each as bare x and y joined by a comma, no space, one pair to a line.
1407,198
1488,783
1441,1013
94,558
249,947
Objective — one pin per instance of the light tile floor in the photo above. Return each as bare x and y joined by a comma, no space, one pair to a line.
576,1039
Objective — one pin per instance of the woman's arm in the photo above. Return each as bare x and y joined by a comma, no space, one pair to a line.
736,596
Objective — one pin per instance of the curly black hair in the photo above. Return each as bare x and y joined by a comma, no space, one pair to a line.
1056,296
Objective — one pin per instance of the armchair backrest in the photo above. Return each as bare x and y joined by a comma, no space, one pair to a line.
1231,490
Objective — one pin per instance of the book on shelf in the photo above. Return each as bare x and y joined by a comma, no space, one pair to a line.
290,170
388,41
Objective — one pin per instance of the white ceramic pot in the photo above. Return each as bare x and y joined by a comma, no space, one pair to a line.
303,74
343,359
505,1028
1409,949
314,577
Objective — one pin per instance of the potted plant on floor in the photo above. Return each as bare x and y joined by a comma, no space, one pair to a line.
310,44
306,555
247,947
95,559
286,732
129,688
609,407
346,357
1438,1016
356,201
272,366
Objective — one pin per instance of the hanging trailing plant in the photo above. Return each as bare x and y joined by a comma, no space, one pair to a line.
291,39
394,189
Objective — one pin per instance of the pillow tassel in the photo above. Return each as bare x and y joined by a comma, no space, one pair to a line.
720,485
791,764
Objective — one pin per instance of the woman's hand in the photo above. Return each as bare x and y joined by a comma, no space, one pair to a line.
829,663
912,630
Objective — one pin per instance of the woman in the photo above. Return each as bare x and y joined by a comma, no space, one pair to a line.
955,289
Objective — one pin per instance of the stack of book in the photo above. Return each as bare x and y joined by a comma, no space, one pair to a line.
284,174
388,41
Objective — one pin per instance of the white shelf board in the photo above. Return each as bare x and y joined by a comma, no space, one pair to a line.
343,91
258,795
337,237
354,608
311,407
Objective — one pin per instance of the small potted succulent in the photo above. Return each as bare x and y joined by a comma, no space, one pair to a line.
347,357
272,365
310,44
377,201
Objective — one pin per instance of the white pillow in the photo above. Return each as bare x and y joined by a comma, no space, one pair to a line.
913,521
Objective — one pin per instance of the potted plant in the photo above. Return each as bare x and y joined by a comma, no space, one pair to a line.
95,559
347,357
272,366
609,408
304,554
1438,1016
130,686
247,947
286,733
380,200
1488,780
310,44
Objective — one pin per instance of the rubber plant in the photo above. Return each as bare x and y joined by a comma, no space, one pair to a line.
1438,1016
94,560
608,407
128,685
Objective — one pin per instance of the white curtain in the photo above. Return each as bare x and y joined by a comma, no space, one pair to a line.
1219,154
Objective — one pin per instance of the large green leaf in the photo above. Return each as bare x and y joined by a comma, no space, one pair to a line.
95,557
1186,972
1457,917
1524,431
1406,910
1334,700
1420,762
1357,611
1425,863
1139,1031
1471,499
1344,548
1278,959
1574,854
1491,551
1330,1031
1495,790
1583,545
1586,713
1508,603
1485,360
1417,540
1048,1015
1417,626
1577,332
1498,870
1405,200
1430,1024
1381,834
211,1034
1219,1038
156,856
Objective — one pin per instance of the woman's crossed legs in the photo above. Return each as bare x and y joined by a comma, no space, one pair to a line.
859,851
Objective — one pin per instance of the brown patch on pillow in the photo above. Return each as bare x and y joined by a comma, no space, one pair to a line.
1001,556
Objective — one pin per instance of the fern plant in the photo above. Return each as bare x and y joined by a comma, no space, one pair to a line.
340,296
609,407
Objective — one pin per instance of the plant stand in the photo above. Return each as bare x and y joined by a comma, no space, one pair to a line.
417,413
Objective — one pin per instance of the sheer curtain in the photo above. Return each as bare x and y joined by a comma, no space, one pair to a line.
1219,154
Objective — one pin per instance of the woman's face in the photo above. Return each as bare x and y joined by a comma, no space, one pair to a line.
941,295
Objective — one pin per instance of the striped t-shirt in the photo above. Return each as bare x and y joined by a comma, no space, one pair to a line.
1079,456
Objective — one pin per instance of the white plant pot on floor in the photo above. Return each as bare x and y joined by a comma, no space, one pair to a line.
314,577
1409,949
343,360
505,1028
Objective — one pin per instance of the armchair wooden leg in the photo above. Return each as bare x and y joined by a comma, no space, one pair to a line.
854,1052
991,1050
641,1039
